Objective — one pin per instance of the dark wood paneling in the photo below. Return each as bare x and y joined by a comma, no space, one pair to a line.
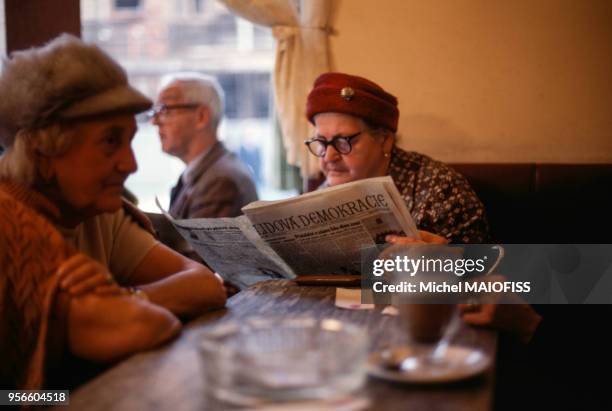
34,22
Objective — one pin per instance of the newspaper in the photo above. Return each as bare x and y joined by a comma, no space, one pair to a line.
322,232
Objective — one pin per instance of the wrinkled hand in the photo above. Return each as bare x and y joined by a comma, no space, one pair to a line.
81,274
513,316
426,238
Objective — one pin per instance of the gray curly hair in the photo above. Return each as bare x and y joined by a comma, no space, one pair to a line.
19,162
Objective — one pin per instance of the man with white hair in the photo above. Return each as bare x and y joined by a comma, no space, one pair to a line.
188,111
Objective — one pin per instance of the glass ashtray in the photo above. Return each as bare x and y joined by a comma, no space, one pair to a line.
258,361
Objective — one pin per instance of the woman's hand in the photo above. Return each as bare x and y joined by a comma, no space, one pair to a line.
426,238
81,274
504,312
518,319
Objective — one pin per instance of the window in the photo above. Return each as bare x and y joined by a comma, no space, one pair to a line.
203,36
127,4
2,43
2,31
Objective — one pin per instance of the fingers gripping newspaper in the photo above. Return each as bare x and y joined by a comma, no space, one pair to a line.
322,232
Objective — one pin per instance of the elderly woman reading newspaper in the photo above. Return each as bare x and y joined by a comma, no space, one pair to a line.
356,124
82,278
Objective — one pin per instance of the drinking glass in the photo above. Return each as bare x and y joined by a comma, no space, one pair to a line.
259,361
429,328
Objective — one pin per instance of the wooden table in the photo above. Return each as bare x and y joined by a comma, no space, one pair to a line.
171,378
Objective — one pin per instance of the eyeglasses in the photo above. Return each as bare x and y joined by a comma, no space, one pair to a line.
164,109
342,144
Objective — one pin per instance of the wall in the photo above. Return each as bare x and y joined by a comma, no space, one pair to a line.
488,80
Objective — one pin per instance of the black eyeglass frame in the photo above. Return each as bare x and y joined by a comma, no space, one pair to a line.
165,108
332,142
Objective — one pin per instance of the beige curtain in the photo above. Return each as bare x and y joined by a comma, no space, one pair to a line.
301,29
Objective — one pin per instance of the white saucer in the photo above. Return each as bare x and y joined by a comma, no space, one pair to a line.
461,362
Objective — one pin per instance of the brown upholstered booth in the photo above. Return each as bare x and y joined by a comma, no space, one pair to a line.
545,203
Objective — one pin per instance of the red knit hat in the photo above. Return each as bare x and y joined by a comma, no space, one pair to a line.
357,96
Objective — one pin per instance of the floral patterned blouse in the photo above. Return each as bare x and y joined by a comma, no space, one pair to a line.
439,198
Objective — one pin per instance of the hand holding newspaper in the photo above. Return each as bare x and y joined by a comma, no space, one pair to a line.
322,232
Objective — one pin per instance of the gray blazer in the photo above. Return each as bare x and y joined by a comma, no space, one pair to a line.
219,186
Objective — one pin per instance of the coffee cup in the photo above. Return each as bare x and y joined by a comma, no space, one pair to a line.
426,323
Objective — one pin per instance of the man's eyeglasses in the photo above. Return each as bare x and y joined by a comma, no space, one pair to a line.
342,144
163,109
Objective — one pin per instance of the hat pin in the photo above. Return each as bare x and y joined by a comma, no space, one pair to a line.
347,93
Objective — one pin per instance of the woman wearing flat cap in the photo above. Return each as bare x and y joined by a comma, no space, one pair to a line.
82,278
356,124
